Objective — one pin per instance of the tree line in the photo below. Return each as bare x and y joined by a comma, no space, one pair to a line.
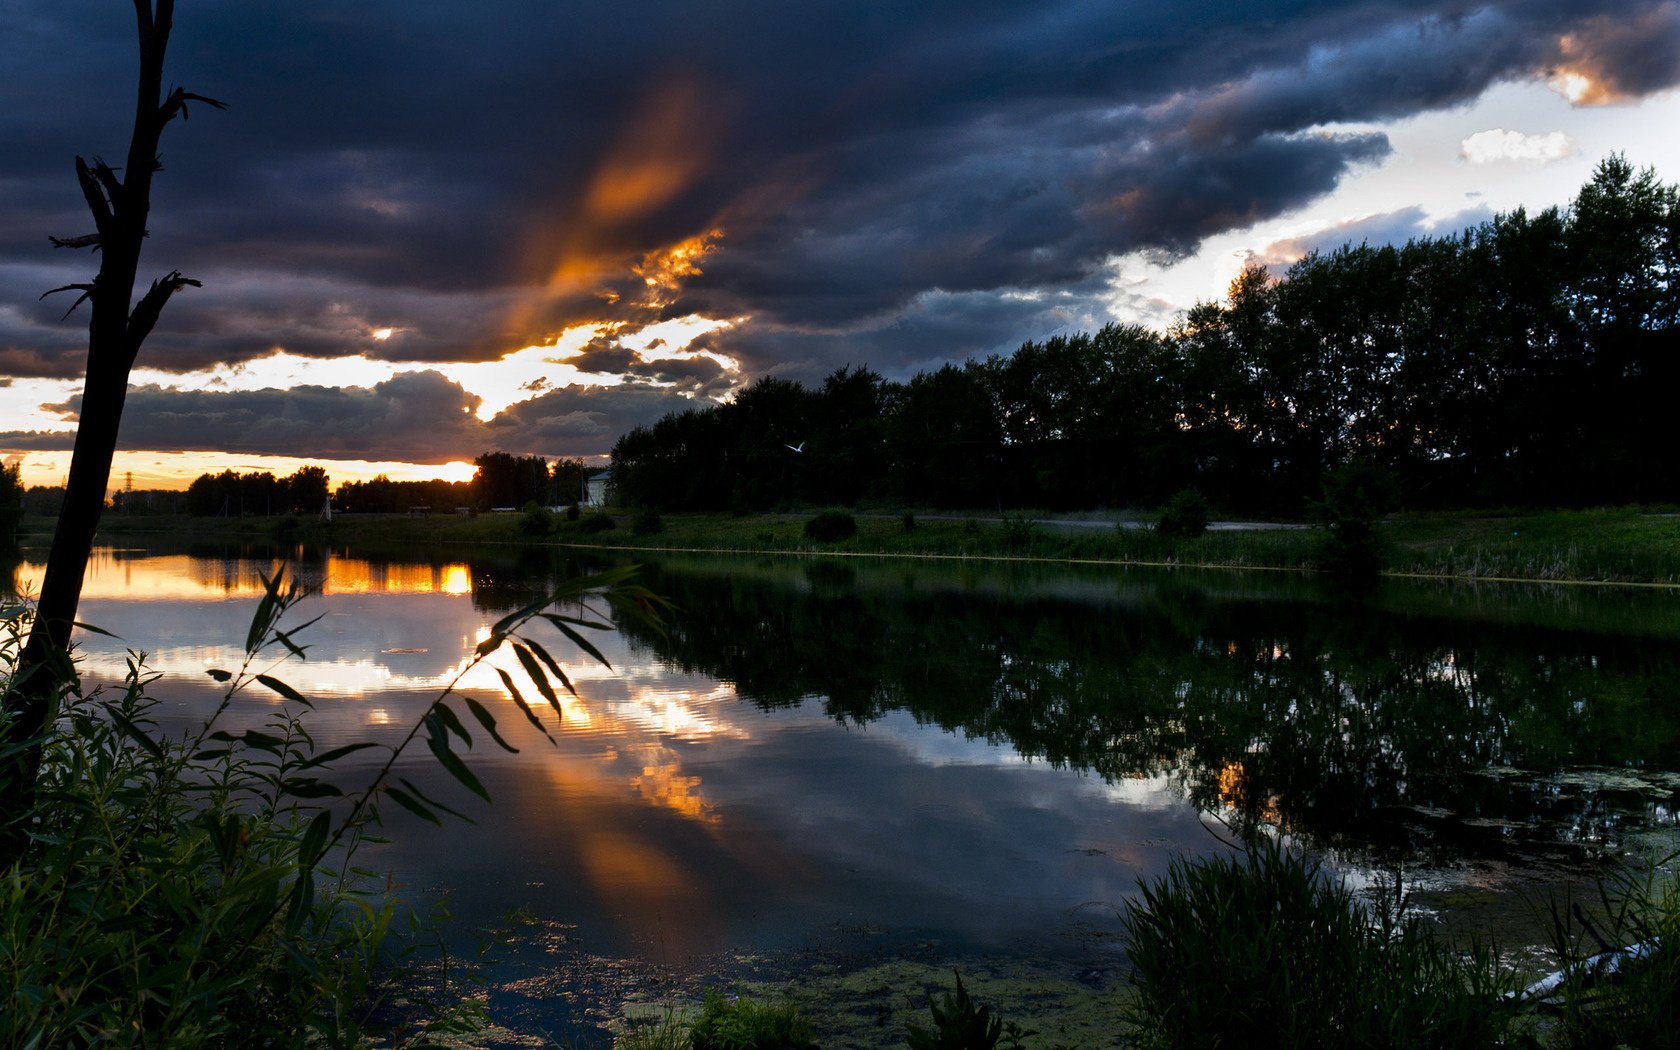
501,480
1528,360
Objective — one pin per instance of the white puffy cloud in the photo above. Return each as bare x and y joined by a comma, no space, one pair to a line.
1497,144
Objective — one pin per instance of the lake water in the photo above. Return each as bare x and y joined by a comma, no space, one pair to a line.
825,762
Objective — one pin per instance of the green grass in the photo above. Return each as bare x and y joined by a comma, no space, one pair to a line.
1607,545
1225,949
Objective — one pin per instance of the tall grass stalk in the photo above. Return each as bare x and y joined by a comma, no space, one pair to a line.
1263,946
200,890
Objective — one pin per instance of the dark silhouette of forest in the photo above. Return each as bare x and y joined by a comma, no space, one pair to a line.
1530,360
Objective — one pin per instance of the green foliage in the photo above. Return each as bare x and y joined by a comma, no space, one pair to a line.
743,1024
1523,361
908,522
958,1024
1356,495
1018,531
669,1032
573,512
1185,515
201,890
11,504
1611,998
831,526
1224,949
506,480
537,520
647,523
597,522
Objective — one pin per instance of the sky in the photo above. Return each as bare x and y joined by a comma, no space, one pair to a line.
427,231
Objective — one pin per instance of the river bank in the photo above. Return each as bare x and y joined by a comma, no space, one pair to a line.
1621,545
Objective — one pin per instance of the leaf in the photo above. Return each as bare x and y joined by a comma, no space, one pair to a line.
218,674
139,735
95,630
414,789
451,762
314,839
578,640
262,741
335,754
309,787
519,701
276,685
408,802
488,721
266,611
552,664
446,716
502,626
535,672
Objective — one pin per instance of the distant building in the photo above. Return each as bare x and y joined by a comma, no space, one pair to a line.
598,483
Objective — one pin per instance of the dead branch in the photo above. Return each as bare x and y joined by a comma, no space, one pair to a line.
86,240
146,311
87,291
177,101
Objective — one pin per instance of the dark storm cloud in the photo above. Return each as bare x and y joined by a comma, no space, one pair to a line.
419,417
579,421
415,416
888,178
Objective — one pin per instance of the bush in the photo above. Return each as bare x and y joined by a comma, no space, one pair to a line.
831,526
1356,496
959,1025
647,523
189,889
597,522
1018,530
537,520
1227,949
1622,998
1185,515
746,1025
573,512
200,890
908,522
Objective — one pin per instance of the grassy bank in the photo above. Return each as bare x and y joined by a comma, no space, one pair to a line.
1611,545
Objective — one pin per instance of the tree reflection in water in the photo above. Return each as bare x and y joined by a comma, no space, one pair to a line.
1408,721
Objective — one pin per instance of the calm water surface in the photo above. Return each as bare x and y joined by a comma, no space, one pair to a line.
979,758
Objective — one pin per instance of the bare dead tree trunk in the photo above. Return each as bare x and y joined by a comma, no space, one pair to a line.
119,203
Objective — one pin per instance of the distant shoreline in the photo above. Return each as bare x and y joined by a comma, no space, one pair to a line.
1621,545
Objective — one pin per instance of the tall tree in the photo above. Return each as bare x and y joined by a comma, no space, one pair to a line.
119,200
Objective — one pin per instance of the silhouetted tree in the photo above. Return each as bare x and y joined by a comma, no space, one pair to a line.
119,200
11,504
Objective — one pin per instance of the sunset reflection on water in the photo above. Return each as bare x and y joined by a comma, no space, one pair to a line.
667,817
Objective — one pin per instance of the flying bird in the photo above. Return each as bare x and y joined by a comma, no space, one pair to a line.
794,448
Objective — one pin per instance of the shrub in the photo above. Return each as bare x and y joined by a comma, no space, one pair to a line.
200,890
908,521
597,522
959,1025
831,526
647,523
1621,998
1225,949
537,520
746,1025
1185,515
573,513
1018,530
1356,496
